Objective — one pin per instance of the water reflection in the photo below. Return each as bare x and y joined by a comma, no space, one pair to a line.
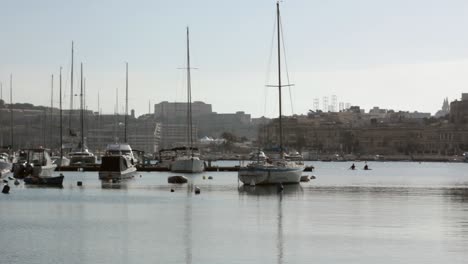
457,194
188,224
267,190
280,193
107,184
280,242
43,186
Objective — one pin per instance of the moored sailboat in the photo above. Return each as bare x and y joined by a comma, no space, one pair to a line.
188,161
279,170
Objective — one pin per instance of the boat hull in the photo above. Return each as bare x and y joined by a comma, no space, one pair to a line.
188,166
56,181
5,168
22,171
274,175
116,168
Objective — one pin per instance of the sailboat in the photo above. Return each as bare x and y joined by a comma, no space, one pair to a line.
119,162
187,159
281,170
80,155
61,160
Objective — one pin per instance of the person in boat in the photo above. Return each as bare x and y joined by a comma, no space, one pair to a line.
353,167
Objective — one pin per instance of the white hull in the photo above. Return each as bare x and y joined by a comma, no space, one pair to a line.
65,161
260,175
44,171
188,165
117,175
5,168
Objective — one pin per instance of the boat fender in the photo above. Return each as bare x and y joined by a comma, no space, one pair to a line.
6,189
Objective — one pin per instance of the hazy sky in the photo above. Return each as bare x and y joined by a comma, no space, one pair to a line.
400,54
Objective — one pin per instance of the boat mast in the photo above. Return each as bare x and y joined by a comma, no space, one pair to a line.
11,111
126,101
51,108
81,112
189,96
61,125
279,78
71,95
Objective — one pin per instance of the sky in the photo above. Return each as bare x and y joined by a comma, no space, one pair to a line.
400,54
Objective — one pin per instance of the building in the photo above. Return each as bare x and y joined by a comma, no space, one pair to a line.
459,110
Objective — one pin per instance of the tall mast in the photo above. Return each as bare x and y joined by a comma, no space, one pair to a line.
71,95
189,94
11,111
61,125
51,107
126,101
279,77
81,112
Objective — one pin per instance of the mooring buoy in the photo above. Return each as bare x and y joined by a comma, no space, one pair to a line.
79,183
197,190
6,189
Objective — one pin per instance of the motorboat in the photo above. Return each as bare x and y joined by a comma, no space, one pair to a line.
64,161
81,157
117,163
5,164
35,167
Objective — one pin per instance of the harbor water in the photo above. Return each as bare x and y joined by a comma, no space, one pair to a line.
397,212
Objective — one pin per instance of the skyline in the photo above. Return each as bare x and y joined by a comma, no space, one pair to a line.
398,55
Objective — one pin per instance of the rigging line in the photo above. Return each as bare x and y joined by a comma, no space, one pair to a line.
286,67
267,75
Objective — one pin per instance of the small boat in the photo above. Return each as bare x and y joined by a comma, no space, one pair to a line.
118,162
56,180
35,167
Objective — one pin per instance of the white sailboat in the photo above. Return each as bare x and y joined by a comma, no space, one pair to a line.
188,161
79,155
273,171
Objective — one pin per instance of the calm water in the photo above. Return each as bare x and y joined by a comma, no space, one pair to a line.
396,213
